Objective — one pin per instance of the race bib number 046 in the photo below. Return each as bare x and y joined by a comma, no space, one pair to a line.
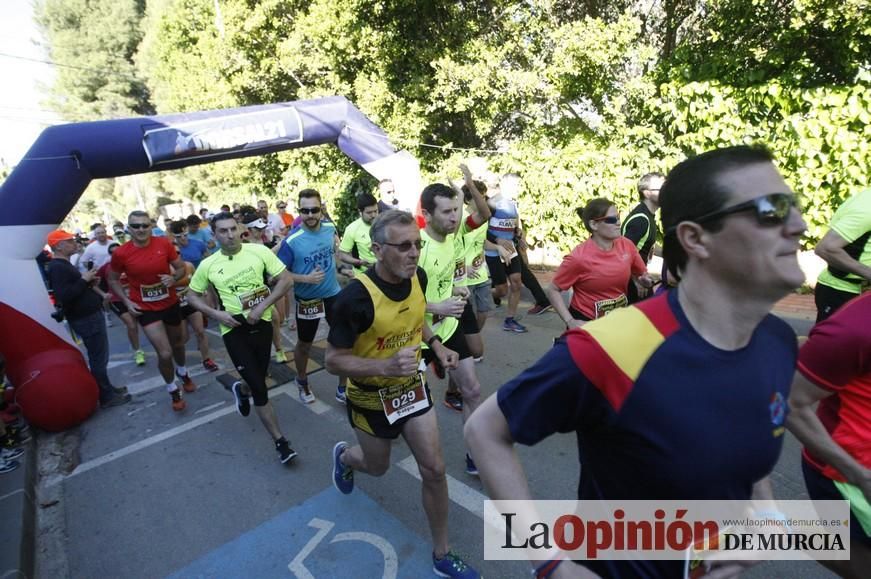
252,299
154,292
399,401
310,309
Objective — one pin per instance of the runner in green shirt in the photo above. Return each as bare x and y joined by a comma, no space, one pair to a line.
356,247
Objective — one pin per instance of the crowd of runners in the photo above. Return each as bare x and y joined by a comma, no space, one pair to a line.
649,379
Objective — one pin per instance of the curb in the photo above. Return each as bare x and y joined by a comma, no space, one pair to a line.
18,512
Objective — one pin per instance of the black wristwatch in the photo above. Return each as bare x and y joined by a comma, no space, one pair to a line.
433,339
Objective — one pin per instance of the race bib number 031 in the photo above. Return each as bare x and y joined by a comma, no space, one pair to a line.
405,400
251,299
604,307
311,309
154,292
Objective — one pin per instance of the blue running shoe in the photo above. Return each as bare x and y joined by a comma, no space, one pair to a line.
340,395
452,566
343,476
512,325
471,469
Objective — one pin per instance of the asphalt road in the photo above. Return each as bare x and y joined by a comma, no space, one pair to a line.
143,492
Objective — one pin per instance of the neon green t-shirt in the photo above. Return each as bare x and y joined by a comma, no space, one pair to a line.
357,235
476,271
852,221
240,282
437,260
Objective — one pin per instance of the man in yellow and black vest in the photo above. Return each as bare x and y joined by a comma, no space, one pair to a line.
375,340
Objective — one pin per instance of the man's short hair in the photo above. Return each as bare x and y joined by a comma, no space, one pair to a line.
309,194
177,227
193,220
383,181
378,233
96,225
247,209
220,217
595,209
138,213
365,200
694,188
646,181
430,192
479,185
225,208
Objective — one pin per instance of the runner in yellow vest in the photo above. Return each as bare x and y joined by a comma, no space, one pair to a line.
375,341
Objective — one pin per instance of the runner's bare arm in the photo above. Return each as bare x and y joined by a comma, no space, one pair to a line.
342,362
831,249
198,302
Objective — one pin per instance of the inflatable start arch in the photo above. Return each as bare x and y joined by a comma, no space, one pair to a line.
53,385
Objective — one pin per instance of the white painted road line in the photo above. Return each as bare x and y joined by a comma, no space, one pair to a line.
155,382
289,388
460,493
210,407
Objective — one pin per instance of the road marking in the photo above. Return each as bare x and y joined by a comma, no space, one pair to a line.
460,493
289,388
213,332
10,495
210,407
138,410
155,382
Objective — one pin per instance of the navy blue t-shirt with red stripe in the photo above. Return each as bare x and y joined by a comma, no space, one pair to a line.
659,412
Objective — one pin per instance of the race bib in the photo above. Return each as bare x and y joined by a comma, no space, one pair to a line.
311,309
604,307
478,261
154,292
459,270
251,299
404,400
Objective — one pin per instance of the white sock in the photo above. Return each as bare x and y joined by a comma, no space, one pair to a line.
171,387
181,370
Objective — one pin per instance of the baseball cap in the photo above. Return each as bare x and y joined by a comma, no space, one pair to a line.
253,220
59,235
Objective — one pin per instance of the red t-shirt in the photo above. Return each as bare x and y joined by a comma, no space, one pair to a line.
143,266
837,358
599,277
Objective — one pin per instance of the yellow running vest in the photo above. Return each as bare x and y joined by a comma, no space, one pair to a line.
397,325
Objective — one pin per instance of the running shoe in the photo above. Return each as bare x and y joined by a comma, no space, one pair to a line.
478,360
178,403
343,476
454,400
285,453
471,469
209,365
305,393
139,357
8,466
11,453
538,309
452,566
243,404
119,390
340,395
186,382
281,357
115,400
511,325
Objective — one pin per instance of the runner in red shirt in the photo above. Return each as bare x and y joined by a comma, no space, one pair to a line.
830,414
153,268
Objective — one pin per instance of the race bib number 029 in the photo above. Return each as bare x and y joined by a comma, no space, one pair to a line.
311,309
252,299
404,400
154,292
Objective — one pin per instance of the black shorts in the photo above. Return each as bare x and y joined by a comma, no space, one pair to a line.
249,348
307,329
186,311
828,300
119,308
468,321
457,343
499,272
821,488
374,423
578,315
170,316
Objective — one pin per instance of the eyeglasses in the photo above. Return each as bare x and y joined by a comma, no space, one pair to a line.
771,209
139,225
180,234
609,219
405,246
282,206
309,210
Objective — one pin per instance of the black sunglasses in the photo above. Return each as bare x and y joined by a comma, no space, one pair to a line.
405,246
309,211
139,225
771,209
610,219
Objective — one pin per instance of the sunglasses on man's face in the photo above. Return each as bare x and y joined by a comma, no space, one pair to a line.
771,209
139,225
609,219
405,246
309,210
